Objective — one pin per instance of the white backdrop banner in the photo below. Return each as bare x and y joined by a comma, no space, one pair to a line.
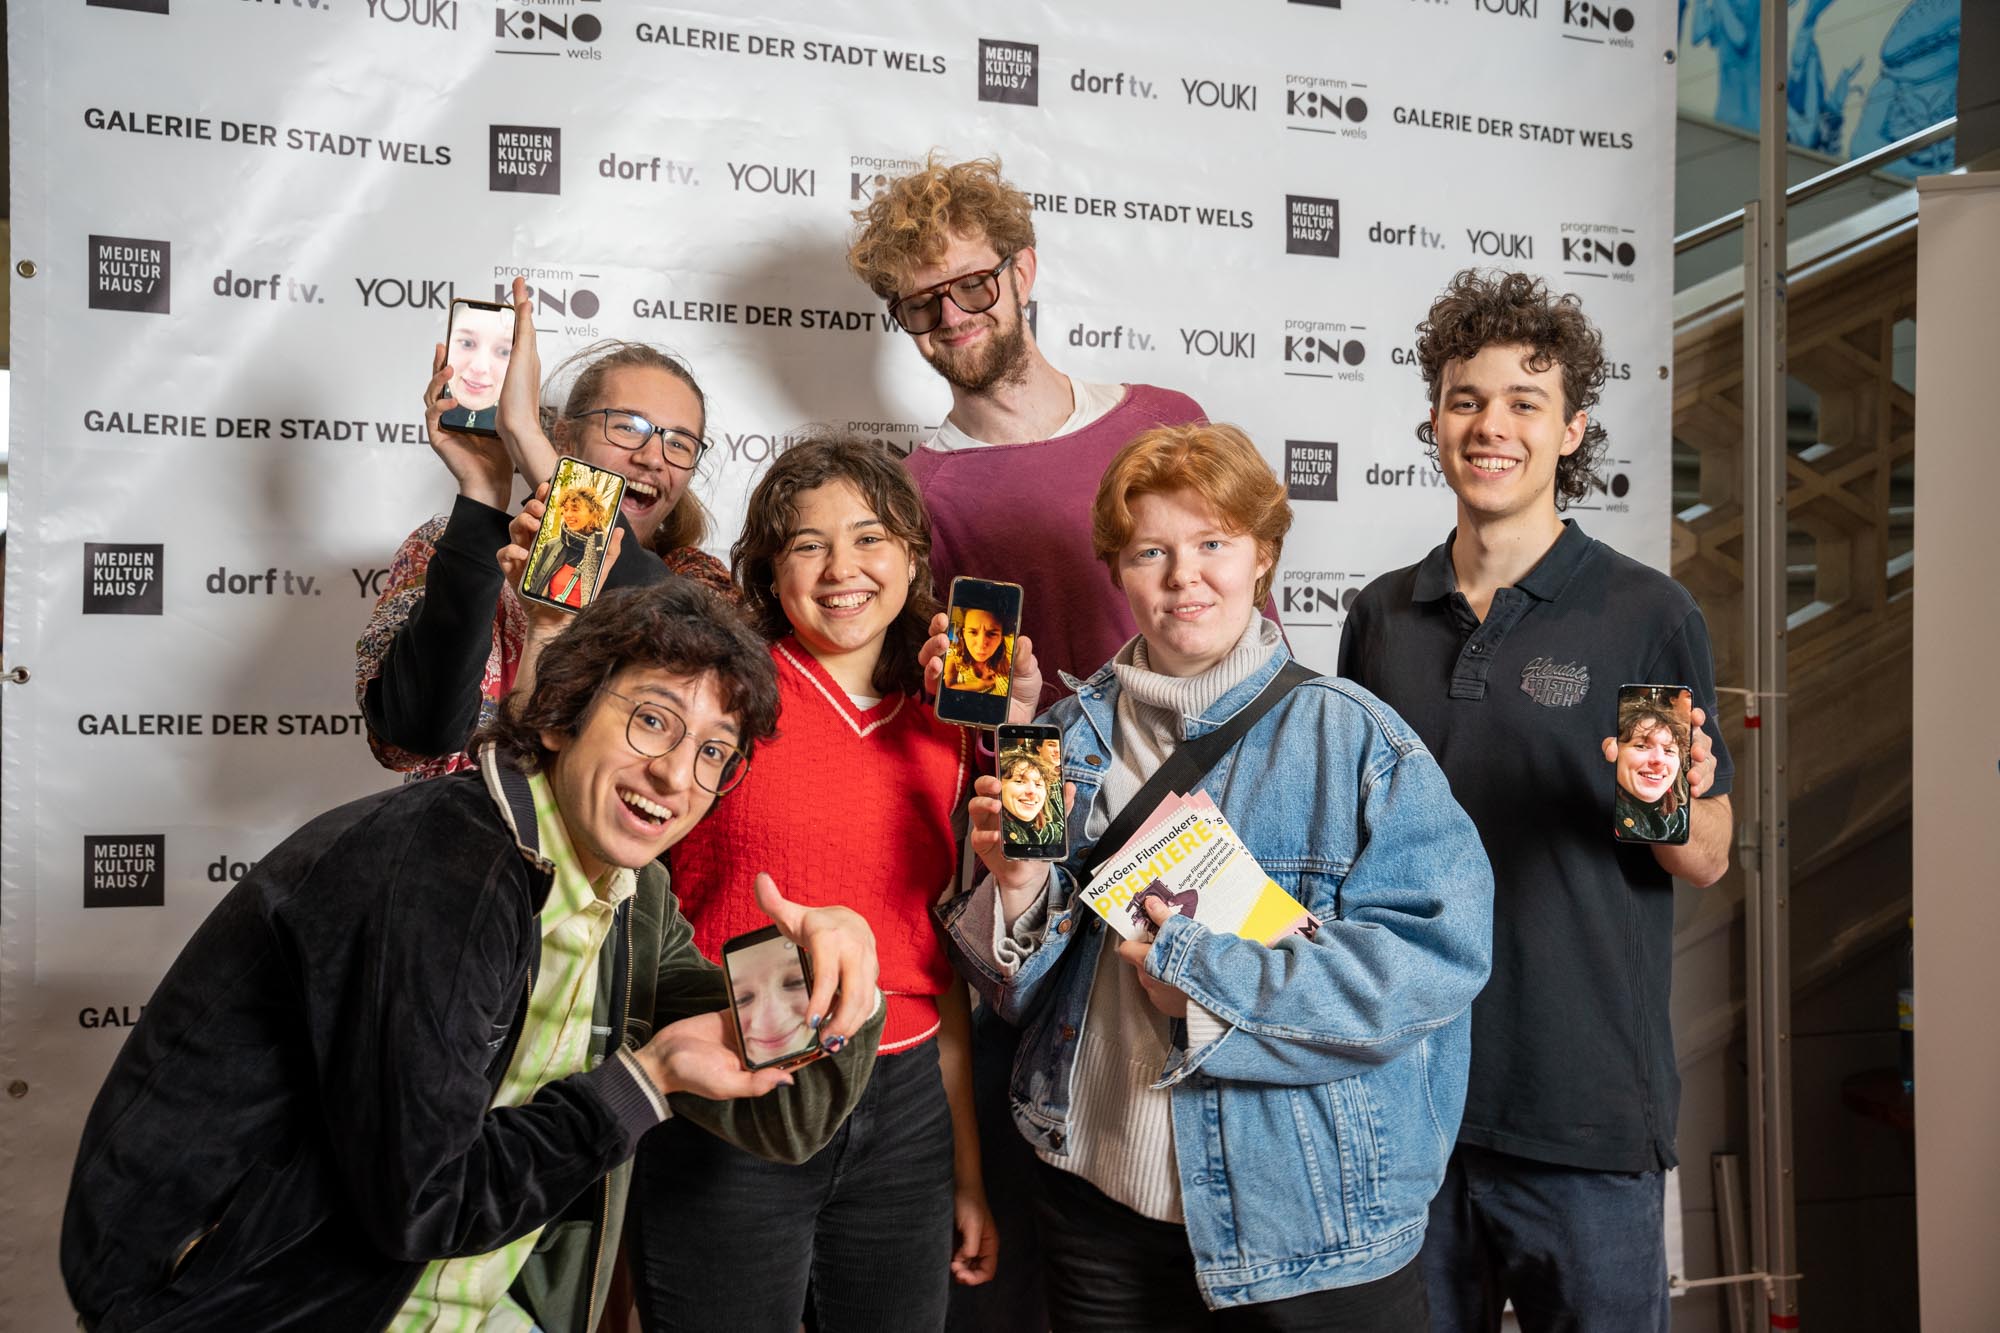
238,224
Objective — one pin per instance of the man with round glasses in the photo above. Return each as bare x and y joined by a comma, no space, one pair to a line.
395,1078
1009,476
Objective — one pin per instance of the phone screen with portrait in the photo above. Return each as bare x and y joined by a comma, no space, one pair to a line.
1033,824
478,340
566,563
770,983
1653,747
979,652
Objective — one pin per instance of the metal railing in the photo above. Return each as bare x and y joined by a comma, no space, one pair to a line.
1764,800
1826,180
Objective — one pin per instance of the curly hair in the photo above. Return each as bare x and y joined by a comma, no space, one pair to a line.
585,497
1479,310
911,221
674,625
772,520
1214,460
687,523
1642,717
1017,756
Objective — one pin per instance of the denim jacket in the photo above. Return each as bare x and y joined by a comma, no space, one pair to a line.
1312,1132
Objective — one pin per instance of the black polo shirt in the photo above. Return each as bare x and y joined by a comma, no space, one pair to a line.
1572,1056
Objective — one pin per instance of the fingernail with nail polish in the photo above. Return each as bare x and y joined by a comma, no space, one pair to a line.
833,1044
814,1021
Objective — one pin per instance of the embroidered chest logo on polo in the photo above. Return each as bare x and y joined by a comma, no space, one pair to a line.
1554,684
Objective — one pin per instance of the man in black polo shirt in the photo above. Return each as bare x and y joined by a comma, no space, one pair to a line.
1504,648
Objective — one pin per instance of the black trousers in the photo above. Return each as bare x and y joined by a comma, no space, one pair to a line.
1111,1268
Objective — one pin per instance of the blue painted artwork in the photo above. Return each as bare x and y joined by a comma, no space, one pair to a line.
1915,86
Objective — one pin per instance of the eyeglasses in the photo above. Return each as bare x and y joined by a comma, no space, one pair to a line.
919,312
630,431
655,730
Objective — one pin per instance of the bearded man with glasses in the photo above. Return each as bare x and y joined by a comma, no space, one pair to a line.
1009,476
395,1079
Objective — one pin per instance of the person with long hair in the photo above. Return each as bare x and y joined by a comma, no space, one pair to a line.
445,638
856,798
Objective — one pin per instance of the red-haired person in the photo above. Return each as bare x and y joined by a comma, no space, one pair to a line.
1231,1135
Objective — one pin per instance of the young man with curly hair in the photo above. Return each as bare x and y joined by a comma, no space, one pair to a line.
1504,649
394,1080
1009,476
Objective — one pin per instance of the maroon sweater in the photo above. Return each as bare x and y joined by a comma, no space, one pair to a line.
1021,513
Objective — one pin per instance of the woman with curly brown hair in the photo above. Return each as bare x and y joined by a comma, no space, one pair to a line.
856,799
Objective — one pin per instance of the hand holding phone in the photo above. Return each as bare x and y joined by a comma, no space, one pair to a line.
770,988
1652,753
1034,826
566,564
984,619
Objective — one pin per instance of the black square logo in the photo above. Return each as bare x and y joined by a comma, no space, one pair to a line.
125,870
122,578
127,273
525,159
1312,226
136,6
1010,72
1311,469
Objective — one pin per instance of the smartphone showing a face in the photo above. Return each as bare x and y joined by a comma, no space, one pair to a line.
1033,824
478,340
770,983
1652,750
566,563
979,655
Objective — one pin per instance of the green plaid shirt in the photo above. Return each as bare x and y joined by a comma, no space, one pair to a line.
456,1295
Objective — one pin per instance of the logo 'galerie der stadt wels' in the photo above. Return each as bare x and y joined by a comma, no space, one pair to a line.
525,159
127,273
1010,72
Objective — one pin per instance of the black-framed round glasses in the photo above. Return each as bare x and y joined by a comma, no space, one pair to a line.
655,730
920,312
630,431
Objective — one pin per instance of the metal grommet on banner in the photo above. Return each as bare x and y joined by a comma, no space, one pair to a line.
26,268
17,1089
17,676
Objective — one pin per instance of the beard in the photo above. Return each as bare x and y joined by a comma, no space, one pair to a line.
999,358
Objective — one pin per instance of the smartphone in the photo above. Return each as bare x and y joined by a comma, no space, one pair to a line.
1652,749
1033,824
979,656
770,982
566,563
478,339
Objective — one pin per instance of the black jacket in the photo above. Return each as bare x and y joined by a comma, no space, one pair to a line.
299,1121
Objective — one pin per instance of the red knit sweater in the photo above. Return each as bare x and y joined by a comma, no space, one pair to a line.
846,806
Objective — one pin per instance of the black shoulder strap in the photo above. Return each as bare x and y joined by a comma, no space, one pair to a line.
520,805
1189,764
